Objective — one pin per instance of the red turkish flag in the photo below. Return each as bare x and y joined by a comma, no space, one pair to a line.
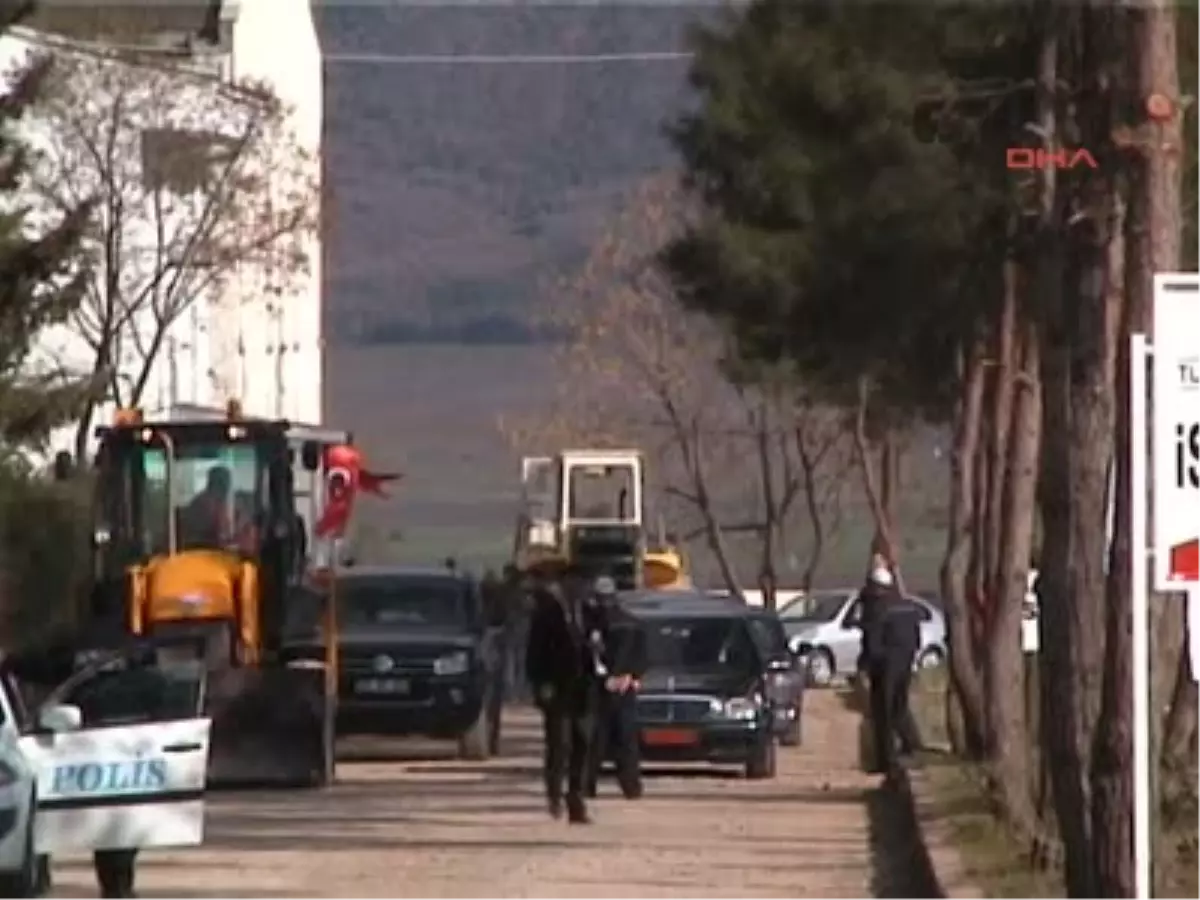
344,478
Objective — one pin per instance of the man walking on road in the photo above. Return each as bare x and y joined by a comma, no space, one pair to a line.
561,668
891,638
624,659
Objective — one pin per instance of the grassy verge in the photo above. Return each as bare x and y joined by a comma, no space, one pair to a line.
992,859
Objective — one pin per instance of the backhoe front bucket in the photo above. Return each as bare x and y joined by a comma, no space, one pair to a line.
270,727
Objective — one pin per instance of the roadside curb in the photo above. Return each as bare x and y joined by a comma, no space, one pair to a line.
907,806
941,861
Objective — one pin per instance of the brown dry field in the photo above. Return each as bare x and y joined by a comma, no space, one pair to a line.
405,819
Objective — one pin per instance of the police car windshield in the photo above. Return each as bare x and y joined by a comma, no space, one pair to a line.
708,643
402,603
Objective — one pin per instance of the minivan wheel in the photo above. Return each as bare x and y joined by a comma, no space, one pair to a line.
820,667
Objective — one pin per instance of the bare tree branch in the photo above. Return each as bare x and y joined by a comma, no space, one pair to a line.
195,185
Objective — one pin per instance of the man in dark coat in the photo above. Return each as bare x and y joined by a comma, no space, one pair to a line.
624,661
560,665
891,627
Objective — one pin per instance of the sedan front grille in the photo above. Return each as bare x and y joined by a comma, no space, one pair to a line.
674,709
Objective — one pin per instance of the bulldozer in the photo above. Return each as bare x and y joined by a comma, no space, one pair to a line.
202,530
587,506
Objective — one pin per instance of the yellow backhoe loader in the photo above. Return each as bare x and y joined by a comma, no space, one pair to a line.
203,528
587,506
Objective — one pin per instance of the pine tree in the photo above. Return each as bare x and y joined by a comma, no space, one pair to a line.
40,279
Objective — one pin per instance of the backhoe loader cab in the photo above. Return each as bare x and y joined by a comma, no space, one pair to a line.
584,506
198,533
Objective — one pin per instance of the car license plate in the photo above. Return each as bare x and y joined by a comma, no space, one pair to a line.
670,737
382,686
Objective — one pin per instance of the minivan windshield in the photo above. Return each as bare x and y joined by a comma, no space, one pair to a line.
701,643
816,608
402,602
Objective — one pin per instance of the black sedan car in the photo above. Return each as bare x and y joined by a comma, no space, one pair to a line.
416,657
716,689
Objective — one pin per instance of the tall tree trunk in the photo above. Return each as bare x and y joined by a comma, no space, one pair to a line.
885,540
1154,235
996,466
1003,383
1079,355
964,670
1152,243
1007,721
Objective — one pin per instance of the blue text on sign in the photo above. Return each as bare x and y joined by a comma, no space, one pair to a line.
139,775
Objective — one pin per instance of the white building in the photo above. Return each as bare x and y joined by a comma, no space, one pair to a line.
235,342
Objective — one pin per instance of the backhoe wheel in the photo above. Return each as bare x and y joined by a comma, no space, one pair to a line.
473,743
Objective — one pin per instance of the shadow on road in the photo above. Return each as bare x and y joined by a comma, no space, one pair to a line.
899,864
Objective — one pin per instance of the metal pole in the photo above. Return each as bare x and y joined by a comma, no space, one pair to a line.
1140,602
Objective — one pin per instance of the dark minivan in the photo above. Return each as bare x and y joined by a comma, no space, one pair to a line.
416,656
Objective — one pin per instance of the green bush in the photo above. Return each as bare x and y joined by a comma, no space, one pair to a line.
45,529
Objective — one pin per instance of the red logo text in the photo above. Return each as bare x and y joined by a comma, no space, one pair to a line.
1037,158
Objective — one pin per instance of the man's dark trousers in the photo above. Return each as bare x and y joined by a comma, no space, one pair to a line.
616,728
891,718
904,724
883,689
567,734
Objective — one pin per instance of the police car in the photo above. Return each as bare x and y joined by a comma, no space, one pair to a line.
115,758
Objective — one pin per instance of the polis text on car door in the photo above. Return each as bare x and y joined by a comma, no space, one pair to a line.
132,776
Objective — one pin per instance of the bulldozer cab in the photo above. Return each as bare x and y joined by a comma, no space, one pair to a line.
584,506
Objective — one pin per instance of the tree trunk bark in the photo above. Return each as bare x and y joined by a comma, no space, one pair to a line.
1079,360
964,669
1007,721
1180,721
1154,235
885,541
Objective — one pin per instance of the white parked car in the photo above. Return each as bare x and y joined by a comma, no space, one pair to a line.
823,626
114,759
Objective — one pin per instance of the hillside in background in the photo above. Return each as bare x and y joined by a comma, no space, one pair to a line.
457,192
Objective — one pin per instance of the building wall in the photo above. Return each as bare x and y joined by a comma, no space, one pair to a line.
266,350
276,43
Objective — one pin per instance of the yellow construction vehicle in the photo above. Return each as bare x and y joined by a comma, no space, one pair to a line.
202,529
587,506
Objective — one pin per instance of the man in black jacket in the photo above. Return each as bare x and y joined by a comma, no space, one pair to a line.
624,662
560,665
891,638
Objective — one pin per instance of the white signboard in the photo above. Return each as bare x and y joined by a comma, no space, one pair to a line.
1193,630
1176,431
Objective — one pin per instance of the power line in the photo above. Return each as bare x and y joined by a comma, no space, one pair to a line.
506,59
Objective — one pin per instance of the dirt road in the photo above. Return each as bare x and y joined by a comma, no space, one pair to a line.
409,820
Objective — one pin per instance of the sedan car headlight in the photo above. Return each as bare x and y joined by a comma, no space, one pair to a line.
452,663
742,708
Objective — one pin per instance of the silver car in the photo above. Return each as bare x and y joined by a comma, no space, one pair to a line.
823,624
